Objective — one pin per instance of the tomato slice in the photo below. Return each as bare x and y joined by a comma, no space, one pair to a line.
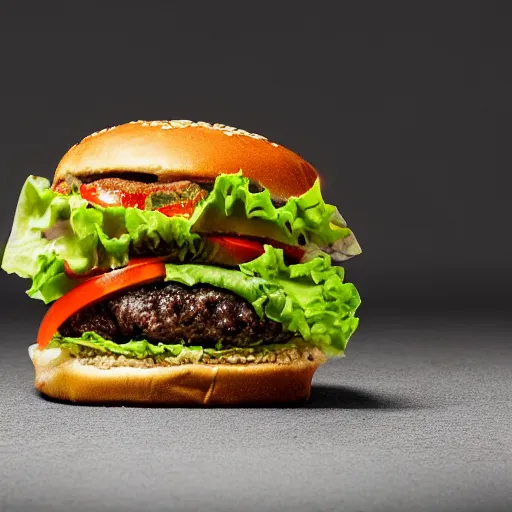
238,250
185,208
112,196
96,289
107,197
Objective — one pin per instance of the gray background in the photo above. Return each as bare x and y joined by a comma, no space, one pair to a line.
416,418
404,107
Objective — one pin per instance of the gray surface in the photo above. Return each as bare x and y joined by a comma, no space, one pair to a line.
416,417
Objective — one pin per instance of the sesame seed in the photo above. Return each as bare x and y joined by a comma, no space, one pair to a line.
186,123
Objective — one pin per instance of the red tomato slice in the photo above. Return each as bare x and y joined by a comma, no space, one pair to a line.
96,289
185,208
116,197
241,250
106,197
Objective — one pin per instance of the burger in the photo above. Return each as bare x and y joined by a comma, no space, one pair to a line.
183,263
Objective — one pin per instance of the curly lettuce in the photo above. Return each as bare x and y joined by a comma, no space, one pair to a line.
138,349
301,220
51,229
309,299
91,343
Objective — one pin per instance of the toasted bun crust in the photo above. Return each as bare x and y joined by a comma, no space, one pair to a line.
63,377
174,150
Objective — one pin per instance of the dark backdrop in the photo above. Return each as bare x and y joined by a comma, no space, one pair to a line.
404,108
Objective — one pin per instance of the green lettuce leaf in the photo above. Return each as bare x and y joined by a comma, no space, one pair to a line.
50,229
142,348
309,299
138,349
301,220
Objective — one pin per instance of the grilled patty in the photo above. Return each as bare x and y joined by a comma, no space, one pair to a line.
174,313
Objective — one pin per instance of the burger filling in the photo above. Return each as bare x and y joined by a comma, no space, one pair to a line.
176,198
203,313
173,313
240,278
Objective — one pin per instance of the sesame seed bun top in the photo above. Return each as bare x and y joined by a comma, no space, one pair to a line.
175,150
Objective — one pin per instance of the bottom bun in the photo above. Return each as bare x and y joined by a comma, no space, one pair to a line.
63,377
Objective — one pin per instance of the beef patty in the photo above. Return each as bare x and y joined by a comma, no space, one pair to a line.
174,313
